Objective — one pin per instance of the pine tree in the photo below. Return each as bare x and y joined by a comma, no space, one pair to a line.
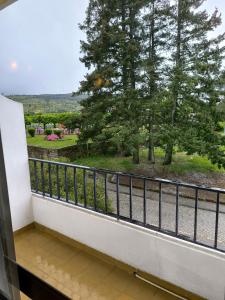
191,44
113,51
156,36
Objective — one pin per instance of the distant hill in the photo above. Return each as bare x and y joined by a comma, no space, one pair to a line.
49,103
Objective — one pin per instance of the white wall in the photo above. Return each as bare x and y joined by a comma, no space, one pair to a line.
16,161
194,268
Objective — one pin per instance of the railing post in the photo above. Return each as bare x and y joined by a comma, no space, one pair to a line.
75,185
42,178
160,205
130,196
217,220
66,183
177,209
117,196
84,187
95,199
144,203
50,179
106,194
196,215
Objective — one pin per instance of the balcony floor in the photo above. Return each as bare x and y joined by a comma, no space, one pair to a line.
78,274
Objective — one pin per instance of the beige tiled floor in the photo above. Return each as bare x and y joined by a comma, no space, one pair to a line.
78,274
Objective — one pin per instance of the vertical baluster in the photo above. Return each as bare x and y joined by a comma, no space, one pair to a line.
144,203
217,219
177,209
84,187
36,176
42,178
50,179
106,194
196,215
57,182
66,183
75,185
160,205
95,198
131,196
117,196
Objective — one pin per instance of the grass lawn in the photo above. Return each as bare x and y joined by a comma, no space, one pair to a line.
182,163
40,141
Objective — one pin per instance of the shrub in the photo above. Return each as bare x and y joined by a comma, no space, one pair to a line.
31,131
52,137
58,132
82,197
48,131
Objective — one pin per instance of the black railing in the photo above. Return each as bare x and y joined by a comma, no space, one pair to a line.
186,211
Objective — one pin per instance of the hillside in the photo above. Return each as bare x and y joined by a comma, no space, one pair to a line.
49,103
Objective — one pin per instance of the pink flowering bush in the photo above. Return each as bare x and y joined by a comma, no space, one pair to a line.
52,137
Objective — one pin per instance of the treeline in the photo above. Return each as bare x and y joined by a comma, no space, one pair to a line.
155,69
69,120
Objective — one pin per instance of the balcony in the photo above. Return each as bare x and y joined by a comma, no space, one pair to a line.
108,235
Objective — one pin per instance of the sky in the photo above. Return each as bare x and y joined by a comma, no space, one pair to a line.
40,45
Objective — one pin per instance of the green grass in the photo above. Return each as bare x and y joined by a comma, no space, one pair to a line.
182,163
40,141
107,162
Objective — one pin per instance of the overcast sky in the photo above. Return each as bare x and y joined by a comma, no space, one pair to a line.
39,45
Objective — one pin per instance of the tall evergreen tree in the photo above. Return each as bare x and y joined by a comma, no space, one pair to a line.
156,36
113,51
191,44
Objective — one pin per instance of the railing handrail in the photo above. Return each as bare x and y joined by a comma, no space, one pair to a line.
137,176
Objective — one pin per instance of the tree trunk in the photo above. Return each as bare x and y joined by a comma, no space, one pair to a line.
151,150
176,84
136,155
168,155
152,76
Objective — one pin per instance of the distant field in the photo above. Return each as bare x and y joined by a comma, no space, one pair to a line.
39,141
49,103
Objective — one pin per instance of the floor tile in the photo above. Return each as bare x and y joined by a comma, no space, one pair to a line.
78,274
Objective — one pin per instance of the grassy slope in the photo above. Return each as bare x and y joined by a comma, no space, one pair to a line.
40,141
182,163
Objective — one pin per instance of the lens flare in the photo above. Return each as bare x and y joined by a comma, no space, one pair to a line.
13,66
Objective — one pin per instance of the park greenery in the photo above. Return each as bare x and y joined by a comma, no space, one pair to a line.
156,76
70,120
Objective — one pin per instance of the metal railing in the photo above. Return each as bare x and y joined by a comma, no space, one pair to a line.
174,208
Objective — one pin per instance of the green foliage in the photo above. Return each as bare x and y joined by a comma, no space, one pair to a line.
152,65
182,164
48,131
61,190
58,132
69,119
31,132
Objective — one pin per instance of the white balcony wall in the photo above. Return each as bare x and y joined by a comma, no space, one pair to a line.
194,268
16,162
